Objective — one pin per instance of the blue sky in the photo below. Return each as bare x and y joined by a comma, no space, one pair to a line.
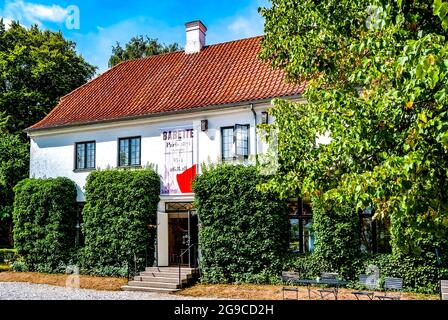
103,23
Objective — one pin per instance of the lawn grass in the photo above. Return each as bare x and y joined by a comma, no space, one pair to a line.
272,292
86,282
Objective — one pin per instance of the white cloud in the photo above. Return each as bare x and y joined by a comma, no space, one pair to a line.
7,22
246,26
32,13
96,46
52,13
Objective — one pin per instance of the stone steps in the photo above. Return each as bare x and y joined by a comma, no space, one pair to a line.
160,279
170,269
165,274
148,289
164,285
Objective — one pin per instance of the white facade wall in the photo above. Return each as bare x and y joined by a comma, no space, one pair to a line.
53,152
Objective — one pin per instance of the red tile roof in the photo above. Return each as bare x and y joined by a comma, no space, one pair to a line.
220,74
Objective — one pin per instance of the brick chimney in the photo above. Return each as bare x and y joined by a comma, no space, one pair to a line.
195,32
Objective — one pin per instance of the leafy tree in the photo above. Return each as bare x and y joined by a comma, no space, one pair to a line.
13,168
139,47
36,69
377,75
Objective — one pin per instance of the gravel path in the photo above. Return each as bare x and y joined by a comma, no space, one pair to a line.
29,291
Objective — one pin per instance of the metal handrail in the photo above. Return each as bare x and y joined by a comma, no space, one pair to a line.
180,261
133,259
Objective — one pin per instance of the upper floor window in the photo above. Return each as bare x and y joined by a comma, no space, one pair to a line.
235,142
129,152
85,155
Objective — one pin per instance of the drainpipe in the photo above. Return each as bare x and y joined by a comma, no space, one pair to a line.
255,129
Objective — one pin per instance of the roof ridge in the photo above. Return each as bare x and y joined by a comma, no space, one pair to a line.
207,46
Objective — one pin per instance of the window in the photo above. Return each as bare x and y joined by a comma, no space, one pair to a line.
235,142
85,155
178,206
129,152
375,234
301,235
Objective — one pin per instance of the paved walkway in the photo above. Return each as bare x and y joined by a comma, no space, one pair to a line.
29,291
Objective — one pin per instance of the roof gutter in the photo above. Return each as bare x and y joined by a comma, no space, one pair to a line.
161,114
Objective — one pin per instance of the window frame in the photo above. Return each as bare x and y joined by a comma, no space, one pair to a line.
235,143
129,165
303,213
85,168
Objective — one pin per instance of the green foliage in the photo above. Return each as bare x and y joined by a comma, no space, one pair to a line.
36,69
8,256
44,222
13,168
307,265
121,205
139,47
243,233
419,274
337,235
377,75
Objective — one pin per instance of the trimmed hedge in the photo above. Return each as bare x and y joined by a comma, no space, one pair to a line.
120,207
337,235
243,233
44,222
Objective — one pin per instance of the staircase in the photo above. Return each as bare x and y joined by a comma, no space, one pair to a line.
161,279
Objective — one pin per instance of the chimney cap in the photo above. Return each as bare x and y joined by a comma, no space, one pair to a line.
196,23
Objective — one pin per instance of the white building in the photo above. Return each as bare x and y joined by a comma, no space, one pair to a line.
174,112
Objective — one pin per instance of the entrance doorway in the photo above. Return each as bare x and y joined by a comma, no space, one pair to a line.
183,238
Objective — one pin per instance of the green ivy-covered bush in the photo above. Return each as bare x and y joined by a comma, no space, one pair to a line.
44,219
243,232
337,234
419,274
121,207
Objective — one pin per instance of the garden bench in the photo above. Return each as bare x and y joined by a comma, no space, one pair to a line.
393,288
289,278
369,282
443,289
